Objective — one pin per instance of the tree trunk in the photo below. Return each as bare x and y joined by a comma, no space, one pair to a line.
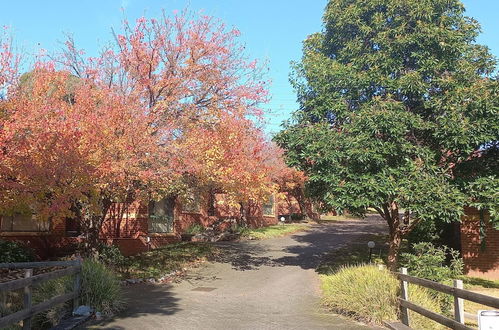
243,217
91,226
304,204
394,248
390,213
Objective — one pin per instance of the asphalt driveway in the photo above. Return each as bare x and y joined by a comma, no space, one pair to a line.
269,284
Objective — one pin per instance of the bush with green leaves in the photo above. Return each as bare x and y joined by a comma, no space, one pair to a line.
439,264
433,263
112,256
194,229
371,295
14,252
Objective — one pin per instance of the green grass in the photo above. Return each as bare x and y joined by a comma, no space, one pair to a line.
479,285
164,260
476,282
272,231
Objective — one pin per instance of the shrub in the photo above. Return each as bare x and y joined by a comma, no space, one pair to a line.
112,256
439,264
14,252
430,262
297,217
366,293
195,228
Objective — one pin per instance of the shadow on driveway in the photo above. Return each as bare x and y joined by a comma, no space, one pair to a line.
154,299
253,282
304,249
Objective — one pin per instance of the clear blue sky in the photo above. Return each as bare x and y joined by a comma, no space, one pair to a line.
272,29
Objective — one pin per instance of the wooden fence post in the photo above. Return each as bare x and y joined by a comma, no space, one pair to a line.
404,292
458,303
27,300
77,285
3,302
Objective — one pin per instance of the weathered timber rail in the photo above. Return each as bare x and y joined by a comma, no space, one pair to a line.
73,267
456,291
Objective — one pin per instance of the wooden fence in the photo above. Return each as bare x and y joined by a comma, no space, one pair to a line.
457,291
73,267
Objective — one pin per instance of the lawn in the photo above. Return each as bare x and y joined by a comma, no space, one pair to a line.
478,285
272,231
166,259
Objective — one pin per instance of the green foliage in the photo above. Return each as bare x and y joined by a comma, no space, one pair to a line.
100,287
430,262
398,106
369,294
195,228
243,230
112,256
14,252
436,232
439,264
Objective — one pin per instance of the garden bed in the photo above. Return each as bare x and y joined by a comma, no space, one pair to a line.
157,263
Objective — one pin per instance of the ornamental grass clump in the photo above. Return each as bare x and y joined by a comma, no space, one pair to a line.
371,295
100,288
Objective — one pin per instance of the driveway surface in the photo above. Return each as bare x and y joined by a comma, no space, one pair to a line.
268,284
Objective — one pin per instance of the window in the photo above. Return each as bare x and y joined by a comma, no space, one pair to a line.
23,223
191,203
161,216
268,206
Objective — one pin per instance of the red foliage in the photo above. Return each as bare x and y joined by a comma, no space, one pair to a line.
174,97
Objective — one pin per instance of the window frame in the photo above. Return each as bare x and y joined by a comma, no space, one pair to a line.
271,198
47,227
152,218
196,198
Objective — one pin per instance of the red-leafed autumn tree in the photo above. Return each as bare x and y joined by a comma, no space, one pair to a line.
72,148
9,61
81,133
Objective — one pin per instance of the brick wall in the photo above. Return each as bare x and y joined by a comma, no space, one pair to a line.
480,259
126,220
127,227
132,246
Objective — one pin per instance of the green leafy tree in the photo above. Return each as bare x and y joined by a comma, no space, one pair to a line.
398,112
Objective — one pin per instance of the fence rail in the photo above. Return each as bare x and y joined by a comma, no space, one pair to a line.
457,291
29,310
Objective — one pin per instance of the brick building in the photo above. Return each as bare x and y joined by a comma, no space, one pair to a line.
134,227
479,244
